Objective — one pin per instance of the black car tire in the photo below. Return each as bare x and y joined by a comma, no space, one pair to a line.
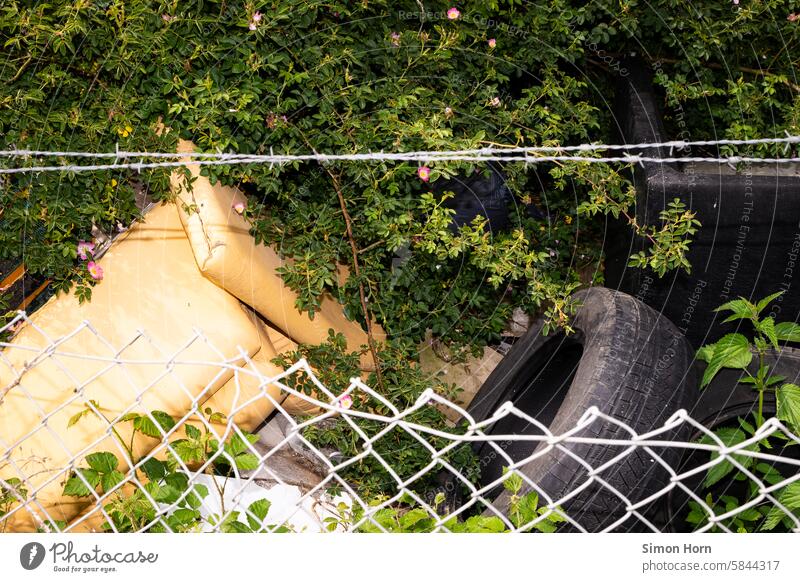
623,358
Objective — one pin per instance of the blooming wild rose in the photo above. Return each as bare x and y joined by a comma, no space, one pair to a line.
84,249
95,270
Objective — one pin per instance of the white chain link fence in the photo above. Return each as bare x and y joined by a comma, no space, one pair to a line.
121,466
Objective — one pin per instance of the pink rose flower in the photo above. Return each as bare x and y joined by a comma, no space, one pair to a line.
95,270
239,207
256,17
492,42
424,173
84,249
495,102
453,13
345,401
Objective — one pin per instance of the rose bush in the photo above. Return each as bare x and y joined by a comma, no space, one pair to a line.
294,76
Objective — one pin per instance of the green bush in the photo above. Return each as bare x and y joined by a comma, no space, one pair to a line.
299,75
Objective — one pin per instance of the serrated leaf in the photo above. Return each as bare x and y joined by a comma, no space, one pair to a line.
188,451
788,401
196,495
260,508
412,518
110,480
789,498
217,418
182,518
192,432
246,462
179,481
761,305
767,327
102,462
167,494
237,444
73,420
705,353
787,331
513,483
75,487
729,438
732,351
741,308
147,426
154,469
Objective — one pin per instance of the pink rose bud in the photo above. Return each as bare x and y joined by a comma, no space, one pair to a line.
492,42
84,249
239,207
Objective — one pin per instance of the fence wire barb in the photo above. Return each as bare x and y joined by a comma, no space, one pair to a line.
258,495
497,154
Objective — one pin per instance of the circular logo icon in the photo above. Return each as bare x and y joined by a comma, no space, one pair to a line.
31,555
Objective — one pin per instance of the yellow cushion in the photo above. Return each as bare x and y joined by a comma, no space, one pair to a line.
151,283
228,255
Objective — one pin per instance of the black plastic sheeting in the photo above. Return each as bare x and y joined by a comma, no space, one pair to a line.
749,242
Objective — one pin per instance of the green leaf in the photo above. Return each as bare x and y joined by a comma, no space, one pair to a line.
513,483
182,518
146,426
704,354
767,327
414,519
75,418
196,495
741,308
479,524
732,351
246,462
189,451
102,462
237,444
788,401
154,469
110,480
767,300
787,331
729,438
129,416
75,487
192,432
789,498
257,513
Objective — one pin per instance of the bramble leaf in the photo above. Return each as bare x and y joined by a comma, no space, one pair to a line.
788,401
732,351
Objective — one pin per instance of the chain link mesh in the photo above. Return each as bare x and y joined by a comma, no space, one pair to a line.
254,492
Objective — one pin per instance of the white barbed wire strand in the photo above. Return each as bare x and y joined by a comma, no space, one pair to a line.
496,154
328,403
588,147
